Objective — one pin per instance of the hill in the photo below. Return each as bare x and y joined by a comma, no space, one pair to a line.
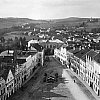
9,22
71,21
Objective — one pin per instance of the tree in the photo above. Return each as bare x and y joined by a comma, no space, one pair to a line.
24,39
16,39
2,39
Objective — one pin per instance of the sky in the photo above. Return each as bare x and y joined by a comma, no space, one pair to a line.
49,9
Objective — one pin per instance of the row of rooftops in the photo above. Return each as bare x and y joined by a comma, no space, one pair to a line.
20,56
44,41
82,53
87,52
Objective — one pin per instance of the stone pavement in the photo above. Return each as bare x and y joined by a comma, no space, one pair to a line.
74,88
85,84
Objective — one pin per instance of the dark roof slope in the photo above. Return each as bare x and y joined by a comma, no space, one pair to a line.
37,47
92,53
4,73
75,51
97,58
81,53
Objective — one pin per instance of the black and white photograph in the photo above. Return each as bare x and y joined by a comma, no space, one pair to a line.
49,49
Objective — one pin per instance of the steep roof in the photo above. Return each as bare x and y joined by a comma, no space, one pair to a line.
4,73
37,47
75,51
81,53
97,58
92,53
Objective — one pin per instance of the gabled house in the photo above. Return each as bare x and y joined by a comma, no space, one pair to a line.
9,81
40,53
62,54
18,77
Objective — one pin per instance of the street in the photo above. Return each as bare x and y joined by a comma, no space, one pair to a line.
64,89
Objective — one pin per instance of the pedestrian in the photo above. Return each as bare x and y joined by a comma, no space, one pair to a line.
74,81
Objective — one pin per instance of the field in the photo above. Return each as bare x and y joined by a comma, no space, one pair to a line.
18,34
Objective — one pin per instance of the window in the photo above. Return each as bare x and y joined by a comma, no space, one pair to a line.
94,78
90,74
96,81
4,90
7,88
12,84
96,88
88,80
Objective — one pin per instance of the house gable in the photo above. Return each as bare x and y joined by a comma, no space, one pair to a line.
10,77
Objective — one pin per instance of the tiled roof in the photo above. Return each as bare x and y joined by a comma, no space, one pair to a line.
82,53
97,58
4,73
69,48
92,53
37,47
75,51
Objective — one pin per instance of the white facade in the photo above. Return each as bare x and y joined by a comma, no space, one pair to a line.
32,42
61,53
18,77
10,83
2,89
90,69
83,69
96,78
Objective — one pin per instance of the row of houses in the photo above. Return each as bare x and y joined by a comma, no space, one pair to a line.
83,61
50,43
16,67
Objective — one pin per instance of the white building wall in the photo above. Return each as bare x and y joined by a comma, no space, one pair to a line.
96,77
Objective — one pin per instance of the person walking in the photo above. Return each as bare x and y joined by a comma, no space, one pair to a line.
74,80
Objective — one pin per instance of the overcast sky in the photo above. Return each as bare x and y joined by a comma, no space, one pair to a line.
47,9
